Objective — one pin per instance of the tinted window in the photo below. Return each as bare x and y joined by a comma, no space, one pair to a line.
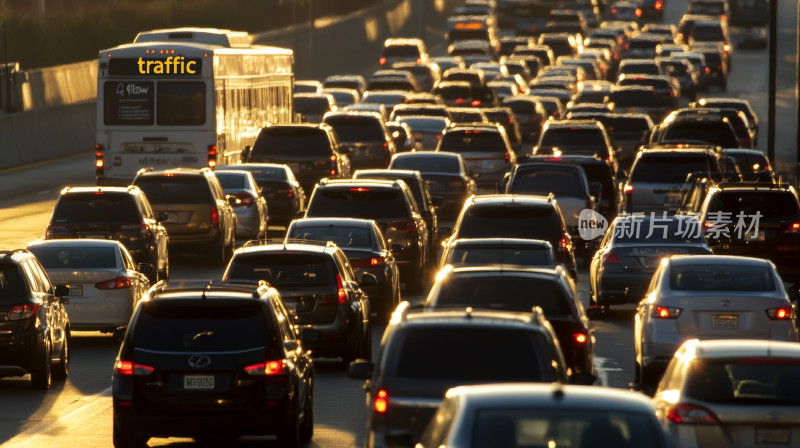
230,181
572,136
262,173
11,283
283,269
344,237
498,221
292,144
465,255
559,182
745,381
356,129
401,51
504,293
208,328
521,107
773,206
311,105
721,278
471,354
624,125
668,169
369,204
175,189
427,164
96,208
74,257
472,141
706,33
425,124
715,133
181,103
633,98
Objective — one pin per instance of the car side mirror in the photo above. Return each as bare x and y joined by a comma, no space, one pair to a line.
368,279
61,290
396,249
585,379
161,217
245,153
231,199
145,268
360,369
310,336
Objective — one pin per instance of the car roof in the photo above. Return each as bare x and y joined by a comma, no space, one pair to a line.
716,260
561,396
401,174
307,246
509,270
514,242
507,199
432,154
75,242
742,348
350,222
97,189
346,183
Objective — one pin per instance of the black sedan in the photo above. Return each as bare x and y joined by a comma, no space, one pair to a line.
285,197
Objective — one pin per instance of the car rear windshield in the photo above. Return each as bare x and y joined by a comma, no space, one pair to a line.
504,292
465,255
667,169
260,172
708,33
344,237
175,189
292,144
283,269
512,221
472,141
208,328
634,98
619,125
358,202
357,129
756,381
716,133
400,51
770,205
427,164
721,277
521,107
572,136
230,180
562,183
96,207
471,354
75,257
12,287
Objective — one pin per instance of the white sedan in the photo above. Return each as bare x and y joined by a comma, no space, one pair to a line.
105,284
708,297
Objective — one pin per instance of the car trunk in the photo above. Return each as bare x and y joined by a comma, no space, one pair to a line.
724,315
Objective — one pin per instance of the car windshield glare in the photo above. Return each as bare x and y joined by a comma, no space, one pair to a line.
504,293
507,255
745,381
282,269
426,164
350,237
721,277
73,257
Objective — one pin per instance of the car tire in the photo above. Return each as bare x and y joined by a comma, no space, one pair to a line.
289,434
125,439
61,370
307,428
41,375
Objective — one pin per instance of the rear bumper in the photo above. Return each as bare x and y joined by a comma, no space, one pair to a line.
622,288
336,337
191,239
16,353
263,422
248,221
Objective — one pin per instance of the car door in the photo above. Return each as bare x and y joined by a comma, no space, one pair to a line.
301,362
54,309
139,281
228,227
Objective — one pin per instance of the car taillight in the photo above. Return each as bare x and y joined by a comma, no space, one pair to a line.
690,413
367,262
475,103
794,227
117,283
508,157
707,70
140,228
659,5
130,368
628,193
638,12
460,100
726,47
382,61
780,313
269,368
212,156
52,229
381,404
611,258
563,244
341,294
19,312
746,140
580,338
99,161
214,215
334,168
243,198
663,312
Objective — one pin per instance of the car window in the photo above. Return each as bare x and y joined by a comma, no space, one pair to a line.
721,277
564,183
75,257
144,207
127,260
12,285
357,129
175,189
284,322
745,381
231,181
666,169
283,269
33,277
96,208
292,144
216,188
426,164
364,203
472,141
716,133
496,221
345,237
42,276
572,136
504,293
767,205
465,255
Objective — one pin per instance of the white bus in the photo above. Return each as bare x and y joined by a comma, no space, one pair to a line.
186,97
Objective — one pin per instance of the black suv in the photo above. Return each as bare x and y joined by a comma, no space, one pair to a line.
318,287
210,362
366,135
391,204
34,327
118,213
312,151
199,215
693,126
755,220
424,354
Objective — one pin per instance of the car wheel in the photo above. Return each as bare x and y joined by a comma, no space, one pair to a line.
126,439
307,428
289,434
41,376
61,370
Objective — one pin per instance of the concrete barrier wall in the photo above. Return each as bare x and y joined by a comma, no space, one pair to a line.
60,107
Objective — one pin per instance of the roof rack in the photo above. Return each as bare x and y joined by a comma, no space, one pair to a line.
256,288
755,185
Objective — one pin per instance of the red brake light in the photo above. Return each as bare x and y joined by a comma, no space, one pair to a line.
381,404
663,312
367,262
611,258
382,61
475,103
359,189
564,243
129,368
19,312
117,283
780,313
690,413
215,215
638,12
268,368
580,338
659,5
212,156
795,227
99,162
340,293
508,157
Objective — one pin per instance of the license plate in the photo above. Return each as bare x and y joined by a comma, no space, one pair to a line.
76,290
760,236
724,321
198,382
96,236
772,436
417,135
